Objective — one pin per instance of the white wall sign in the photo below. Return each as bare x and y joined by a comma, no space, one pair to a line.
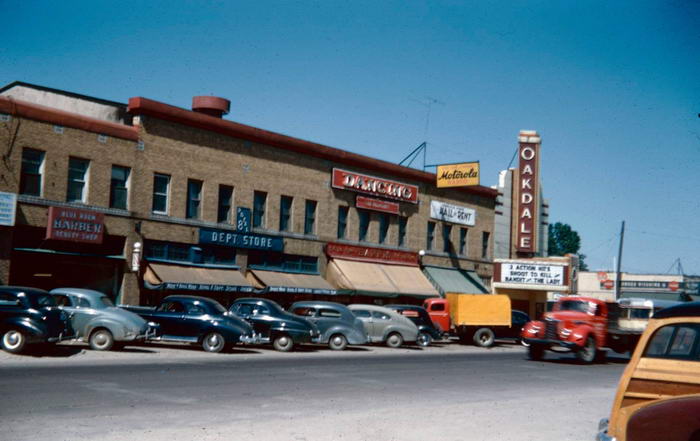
533,274
452,213
8,209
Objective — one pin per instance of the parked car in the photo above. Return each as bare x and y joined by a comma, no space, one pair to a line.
658,396
427,331
273,324
30,316
196,320
384,325
336,324
96,320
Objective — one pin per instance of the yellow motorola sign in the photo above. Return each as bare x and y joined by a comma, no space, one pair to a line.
458,175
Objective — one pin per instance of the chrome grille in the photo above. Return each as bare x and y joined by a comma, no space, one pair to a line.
550,332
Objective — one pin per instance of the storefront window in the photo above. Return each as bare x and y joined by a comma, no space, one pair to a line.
161,184
342,221
32,170
383,227
119,187
225,201
463,241
282,262
77,179
259,200
446,239
403,221
185,253
285,212
430,238
364,224
310,217
194,198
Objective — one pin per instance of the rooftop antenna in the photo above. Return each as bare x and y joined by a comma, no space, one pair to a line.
427,102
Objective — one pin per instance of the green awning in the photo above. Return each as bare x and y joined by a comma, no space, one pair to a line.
455,280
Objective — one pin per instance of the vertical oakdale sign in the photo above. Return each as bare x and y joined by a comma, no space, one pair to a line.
528,191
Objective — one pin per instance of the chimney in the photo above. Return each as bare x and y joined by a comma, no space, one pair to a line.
211,105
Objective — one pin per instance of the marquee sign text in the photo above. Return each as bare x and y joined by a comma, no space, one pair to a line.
528,197
372,185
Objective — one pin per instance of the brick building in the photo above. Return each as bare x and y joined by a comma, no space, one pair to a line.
145,199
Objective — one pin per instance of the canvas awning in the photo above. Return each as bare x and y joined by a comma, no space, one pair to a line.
275,281
455,280
379,280
188,278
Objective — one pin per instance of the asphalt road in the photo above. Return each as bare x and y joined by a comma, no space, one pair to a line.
446,393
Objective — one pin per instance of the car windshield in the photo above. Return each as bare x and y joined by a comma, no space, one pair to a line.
216,307
574,305
106,301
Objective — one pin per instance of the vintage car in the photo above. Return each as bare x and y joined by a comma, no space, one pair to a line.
427,331
273,324
658,397
30,315
196,320
96,320
384,325
336,324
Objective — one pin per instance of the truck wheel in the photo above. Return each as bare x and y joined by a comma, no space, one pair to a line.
587,353
484,337
535,352
213,342
14,341
283,343
394,340
101,340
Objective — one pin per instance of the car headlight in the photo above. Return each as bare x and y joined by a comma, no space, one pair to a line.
565,332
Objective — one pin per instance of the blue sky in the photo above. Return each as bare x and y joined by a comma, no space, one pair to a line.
612,87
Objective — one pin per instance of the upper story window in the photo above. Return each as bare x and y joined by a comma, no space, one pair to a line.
119,187
194,199
259,201
161,190
364,224
186,253
383,227
77,179
463,241
282,262
446,238
223,214
32,171
342,221
430,238
485,245
403,223
286,212
310,217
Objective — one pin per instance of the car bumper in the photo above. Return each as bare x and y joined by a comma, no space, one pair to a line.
542,341
61,337
603,431
254,339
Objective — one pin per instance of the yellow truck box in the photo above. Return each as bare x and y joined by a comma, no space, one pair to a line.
479,309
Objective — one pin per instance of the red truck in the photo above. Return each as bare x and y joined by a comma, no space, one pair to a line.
585,326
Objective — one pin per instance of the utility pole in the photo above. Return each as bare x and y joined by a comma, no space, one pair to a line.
618,275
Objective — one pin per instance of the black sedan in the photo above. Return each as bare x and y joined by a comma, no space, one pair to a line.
427,331
273,324
196,320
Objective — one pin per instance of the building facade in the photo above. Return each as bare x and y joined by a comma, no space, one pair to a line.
146,199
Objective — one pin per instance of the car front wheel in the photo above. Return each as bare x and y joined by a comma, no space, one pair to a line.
424,339
587,354
14,341
337,342
101,340
283,343
213,342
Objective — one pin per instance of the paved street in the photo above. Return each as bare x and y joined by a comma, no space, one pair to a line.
451,392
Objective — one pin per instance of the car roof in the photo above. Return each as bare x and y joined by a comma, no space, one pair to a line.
22,290
80,292
255,300
371,307
318,303
689,309
413,307
190,298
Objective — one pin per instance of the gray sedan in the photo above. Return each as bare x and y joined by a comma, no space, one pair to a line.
336,323
384,325
95,319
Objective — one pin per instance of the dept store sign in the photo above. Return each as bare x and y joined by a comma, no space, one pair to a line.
75,225
452,213
533,274
237,239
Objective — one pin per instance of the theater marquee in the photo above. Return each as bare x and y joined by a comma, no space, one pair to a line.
528,192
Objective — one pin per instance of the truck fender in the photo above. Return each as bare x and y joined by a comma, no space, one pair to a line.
580,334
27,325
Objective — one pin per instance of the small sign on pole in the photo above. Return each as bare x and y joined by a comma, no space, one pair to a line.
458,175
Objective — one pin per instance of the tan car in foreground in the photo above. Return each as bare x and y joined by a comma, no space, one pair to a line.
658,397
